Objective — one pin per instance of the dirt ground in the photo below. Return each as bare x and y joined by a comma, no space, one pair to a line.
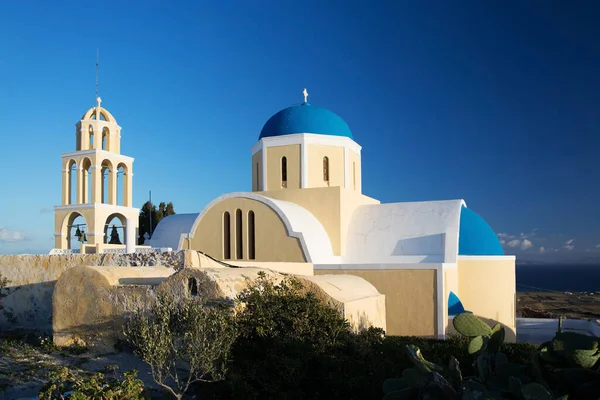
24,367
556,304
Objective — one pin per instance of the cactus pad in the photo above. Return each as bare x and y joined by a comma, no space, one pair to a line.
470,325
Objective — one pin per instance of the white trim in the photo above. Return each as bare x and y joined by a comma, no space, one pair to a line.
346,168
275,206
264,169
487,258
441,303
303,164
116,209
306,138
104,153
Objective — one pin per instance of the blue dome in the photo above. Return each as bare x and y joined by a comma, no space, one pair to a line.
305,118
475,237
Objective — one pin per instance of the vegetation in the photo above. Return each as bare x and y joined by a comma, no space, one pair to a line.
148,211
4,292
65,383
183,342
560,368
283,342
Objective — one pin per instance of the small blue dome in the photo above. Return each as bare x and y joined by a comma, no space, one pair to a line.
305,118
476,237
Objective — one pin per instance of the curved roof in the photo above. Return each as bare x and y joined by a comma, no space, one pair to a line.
305,118
169,230
411,232
476,237
299,223
91,114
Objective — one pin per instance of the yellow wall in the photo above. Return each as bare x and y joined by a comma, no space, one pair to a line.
333,208
410,298
487,288
271,239
354,166
274,156
315,154
257,171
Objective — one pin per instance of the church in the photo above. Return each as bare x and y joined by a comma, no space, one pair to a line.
307,215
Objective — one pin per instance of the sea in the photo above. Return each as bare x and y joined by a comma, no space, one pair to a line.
560,278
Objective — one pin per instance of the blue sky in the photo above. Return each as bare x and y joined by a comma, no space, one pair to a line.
493,102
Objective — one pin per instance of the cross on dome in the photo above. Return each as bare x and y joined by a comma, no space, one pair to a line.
98,100
305,93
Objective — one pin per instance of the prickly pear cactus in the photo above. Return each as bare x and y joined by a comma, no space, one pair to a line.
470,325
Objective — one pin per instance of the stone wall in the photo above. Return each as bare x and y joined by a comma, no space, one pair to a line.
32,279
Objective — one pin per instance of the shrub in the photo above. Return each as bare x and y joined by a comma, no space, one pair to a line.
183,342
293,345
65,382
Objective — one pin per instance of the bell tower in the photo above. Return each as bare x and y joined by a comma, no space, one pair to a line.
96,189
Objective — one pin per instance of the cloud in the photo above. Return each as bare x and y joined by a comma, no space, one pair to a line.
598,246
10,236
503,242
523,244
542,249
526,244
514,243
569,245
46,211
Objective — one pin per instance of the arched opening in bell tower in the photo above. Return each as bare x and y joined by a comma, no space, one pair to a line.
86,181
71,182
107,178
91,135
115,230
74,231
122,184
105,139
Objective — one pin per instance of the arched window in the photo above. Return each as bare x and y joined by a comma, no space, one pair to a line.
326,169
239,253
91,133
226,236
251,236
283,171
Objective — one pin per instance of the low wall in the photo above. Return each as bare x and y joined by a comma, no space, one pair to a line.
540,330
90,303
32,279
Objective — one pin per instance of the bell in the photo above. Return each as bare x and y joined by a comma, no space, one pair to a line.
77,233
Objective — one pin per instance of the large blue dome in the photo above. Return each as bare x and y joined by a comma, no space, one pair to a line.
476,237
305,118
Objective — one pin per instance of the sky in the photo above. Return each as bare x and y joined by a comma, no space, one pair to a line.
496,103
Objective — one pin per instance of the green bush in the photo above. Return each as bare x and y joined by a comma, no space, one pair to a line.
65,382
183,341
294,346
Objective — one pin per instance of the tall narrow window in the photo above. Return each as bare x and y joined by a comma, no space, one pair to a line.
326,169
239,235
226,236
251,238
257,178
354,175
283,171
